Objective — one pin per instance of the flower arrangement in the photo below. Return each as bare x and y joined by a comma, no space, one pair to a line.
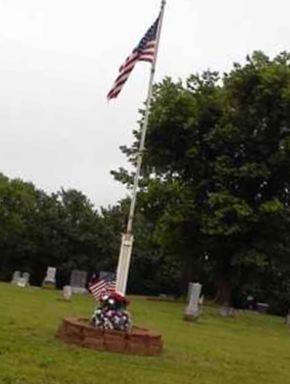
112,314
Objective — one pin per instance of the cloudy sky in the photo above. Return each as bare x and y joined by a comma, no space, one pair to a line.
59,58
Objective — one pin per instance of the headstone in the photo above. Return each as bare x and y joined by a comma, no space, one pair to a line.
251,303
22,282
192,311
78,281
49,281
15,278
226,311
66,292
26,277
189,292
262,307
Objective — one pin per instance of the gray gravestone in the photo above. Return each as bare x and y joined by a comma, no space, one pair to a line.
192,311
15,278
26,277
49,281
67,292
24,280
226,311
78,281
262,308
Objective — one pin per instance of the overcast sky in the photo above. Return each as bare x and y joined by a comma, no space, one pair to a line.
59,59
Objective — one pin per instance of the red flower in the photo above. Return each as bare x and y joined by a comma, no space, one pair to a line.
120,298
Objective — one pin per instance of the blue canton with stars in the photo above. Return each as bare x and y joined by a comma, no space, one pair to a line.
150,35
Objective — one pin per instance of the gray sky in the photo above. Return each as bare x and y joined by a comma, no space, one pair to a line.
59,59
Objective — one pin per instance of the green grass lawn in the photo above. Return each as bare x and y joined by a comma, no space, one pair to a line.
247,349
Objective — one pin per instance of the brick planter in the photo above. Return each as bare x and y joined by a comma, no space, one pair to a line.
139,341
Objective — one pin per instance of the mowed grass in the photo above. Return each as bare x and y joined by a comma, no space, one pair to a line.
249,348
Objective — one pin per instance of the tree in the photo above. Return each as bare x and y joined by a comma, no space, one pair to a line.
217,170
17,201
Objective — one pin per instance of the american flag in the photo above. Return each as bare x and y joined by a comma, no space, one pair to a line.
145,51
102,286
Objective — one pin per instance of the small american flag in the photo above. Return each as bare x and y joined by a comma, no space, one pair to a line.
145,51
104,285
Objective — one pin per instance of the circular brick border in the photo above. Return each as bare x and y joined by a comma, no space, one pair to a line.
139,341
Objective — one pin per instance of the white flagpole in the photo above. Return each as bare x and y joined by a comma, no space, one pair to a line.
127,238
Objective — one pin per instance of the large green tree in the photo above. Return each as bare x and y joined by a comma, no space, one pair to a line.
217,171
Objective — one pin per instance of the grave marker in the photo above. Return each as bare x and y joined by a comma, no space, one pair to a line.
189,292
66,292
49,280
24,280
192,311
226,311
26,277
78,281
15,278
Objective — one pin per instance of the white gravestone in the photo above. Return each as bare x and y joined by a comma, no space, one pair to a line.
49,280
192,311
15,278
26,277
190,287
67,292
22,282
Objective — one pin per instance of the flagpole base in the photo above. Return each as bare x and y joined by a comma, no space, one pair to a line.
124,262
138,341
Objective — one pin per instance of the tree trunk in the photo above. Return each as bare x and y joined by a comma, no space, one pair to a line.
188,275
224,292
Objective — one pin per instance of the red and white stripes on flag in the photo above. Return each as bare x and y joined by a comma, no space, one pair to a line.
145,51
102,286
